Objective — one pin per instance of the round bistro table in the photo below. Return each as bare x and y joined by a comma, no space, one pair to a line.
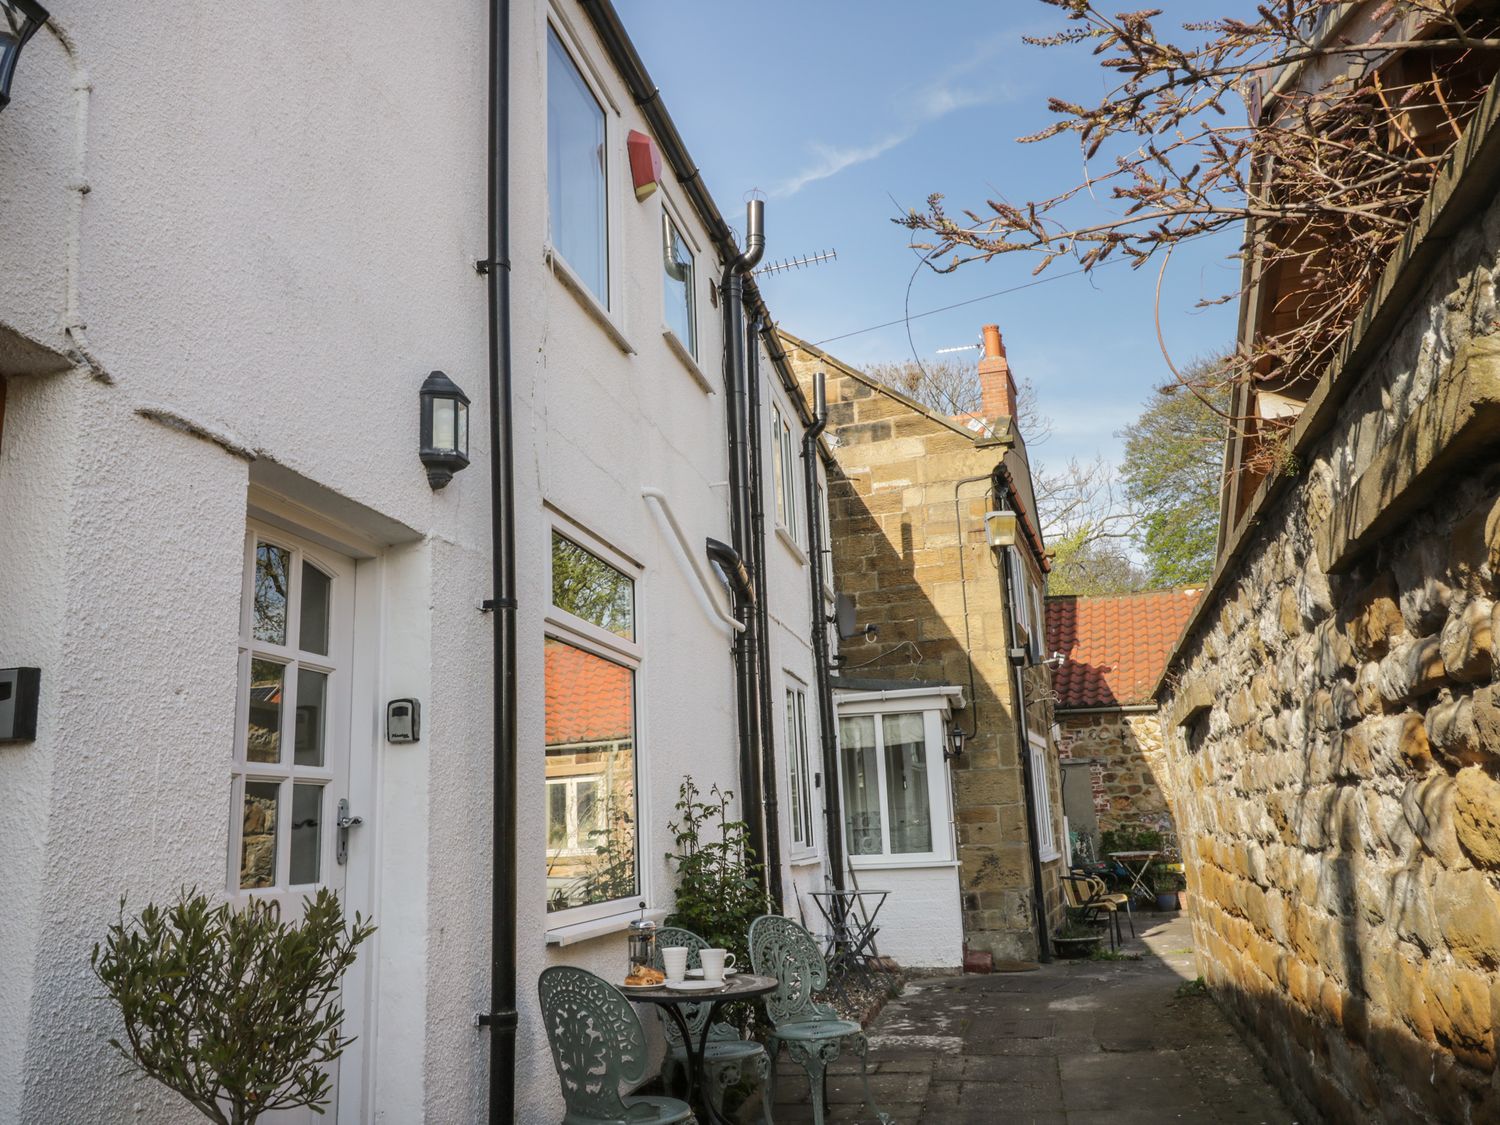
741,986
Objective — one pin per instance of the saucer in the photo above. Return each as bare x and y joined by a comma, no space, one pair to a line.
694,985
697,974
638,987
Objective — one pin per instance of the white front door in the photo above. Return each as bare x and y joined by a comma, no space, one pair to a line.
292,731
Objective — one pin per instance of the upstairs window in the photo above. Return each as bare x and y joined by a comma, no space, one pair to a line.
785,473
578,221
678,311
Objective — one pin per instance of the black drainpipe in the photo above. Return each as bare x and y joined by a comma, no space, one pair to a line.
1028,783
738,420
501,1018
827,733
763,618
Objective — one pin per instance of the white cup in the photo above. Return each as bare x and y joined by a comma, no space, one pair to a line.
674,963
714,962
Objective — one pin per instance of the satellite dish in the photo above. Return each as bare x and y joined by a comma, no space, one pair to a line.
843,614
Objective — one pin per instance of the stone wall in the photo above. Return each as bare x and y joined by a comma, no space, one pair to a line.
909,548
1130,779
1334,733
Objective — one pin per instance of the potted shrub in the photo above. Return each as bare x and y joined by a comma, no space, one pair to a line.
235,1010
718,884
1167,883
1076,939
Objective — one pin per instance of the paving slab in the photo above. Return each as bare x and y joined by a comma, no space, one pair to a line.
1074,1043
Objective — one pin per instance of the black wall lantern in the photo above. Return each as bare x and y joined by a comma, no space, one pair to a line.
445,429
19,21
956,743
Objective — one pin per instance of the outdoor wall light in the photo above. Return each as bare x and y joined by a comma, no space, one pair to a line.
445,429
956,743
1000,529
21,20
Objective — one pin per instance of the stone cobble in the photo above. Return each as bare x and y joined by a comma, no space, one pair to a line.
1073,1043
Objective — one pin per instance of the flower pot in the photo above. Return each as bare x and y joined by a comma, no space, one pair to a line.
1166,900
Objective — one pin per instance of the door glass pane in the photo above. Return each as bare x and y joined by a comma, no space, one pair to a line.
906,784
263,738
575,171
586,586
312,716
258,836
316,599
307,832
590,753
272,577
861,785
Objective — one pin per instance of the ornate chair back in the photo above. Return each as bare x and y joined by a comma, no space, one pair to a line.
782,949
596,1038
695,1014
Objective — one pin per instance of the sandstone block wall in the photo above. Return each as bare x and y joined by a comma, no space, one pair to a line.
1130,777
1333,735
911,552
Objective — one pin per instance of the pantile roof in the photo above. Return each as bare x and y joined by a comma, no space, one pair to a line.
1115,647
588,697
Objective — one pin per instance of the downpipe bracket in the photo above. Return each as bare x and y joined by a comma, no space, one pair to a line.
504,1021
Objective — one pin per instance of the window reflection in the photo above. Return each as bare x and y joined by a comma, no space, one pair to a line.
272,578
258,834
263,736
591,811
677,288
588,587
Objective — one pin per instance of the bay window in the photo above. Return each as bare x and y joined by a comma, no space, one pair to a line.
895,785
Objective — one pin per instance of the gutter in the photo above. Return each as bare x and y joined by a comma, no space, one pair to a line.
502,1016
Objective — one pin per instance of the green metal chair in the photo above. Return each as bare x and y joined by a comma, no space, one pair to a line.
812,1033
725,1054
597,1044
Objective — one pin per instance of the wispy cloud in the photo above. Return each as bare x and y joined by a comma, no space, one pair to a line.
926,103
832,160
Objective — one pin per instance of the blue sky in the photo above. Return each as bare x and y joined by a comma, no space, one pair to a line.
845,113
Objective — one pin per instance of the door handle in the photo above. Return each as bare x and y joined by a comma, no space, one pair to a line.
344,823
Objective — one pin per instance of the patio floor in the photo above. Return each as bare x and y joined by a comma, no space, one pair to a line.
1076,1042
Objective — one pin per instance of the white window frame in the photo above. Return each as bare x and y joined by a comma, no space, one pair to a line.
332,777
799,771
785,478
608,310
560,625
936,711
1027,583
687,349
1041,795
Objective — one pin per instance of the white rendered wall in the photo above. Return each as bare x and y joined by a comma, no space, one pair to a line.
277,246
921,925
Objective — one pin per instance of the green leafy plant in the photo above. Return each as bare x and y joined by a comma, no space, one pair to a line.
1165,881
235,1010
719,891
1129,838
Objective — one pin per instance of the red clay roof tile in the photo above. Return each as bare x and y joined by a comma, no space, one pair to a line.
1115,647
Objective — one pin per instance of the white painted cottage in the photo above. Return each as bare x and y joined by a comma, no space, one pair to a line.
233,245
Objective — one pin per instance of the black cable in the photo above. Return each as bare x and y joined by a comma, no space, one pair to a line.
960,304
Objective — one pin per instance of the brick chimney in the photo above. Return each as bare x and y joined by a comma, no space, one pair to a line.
996,385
